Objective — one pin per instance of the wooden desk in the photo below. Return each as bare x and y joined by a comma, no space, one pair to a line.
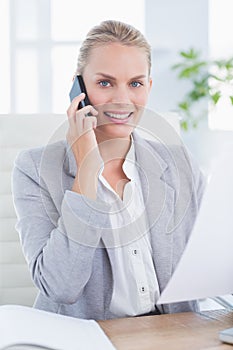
184,331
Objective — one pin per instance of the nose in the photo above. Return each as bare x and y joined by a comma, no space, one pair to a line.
121,95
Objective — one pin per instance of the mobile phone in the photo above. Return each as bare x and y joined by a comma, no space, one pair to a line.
77,88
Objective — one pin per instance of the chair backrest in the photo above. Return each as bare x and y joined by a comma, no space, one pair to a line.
18,132
160,126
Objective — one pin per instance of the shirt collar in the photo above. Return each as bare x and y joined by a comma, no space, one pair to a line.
129,163
138,146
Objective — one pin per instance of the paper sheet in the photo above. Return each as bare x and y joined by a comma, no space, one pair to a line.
206,267
25,325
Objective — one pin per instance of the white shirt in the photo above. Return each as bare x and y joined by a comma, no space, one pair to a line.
135,289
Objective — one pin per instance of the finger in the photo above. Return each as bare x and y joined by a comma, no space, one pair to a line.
71,121
89,123
89,109
80,116
74,104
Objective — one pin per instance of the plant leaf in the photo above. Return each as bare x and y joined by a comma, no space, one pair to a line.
192,70
215,97
184,125
184,106
214,76
220,63
229,63
195,124
178,65
231,98
191,54
198,92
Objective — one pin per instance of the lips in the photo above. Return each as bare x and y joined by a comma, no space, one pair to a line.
118,117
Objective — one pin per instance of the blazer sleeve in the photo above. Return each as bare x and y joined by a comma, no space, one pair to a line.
59,256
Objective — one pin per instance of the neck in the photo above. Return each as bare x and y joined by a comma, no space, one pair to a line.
113,149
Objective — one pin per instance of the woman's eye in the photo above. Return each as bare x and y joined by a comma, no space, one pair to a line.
103,83
136,84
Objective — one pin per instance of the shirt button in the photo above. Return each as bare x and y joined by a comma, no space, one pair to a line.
134,251
142,289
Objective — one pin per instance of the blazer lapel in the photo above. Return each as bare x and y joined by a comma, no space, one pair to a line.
159,202
69,161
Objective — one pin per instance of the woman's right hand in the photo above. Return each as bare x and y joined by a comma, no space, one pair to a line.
81,138
80,135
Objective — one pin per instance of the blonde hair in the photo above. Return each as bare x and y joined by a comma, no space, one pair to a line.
111,32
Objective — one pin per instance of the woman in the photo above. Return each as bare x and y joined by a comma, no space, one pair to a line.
105,216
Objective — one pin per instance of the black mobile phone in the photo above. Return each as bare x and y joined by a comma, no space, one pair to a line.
77,88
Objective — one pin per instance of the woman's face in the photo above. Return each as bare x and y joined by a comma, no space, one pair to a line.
118,85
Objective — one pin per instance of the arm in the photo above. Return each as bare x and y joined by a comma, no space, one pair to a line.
82,140
60,264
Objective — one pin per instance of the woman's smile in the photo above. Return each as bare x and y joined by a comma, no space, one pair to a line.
119,117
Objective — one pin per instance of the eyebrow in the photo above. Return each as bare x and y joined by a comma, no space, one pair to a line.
113,78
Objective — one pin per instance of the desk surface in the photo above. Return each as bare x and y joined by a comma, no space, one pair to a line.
184,331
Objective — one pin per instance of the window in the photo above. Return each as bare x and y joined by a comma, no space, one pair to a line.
5,58
40,42
221,46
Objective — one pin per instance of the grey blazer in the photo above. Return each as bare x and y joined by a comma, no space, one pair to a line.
66,237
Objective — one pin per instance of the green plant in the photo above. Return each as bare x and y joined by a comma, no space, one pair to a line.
210,81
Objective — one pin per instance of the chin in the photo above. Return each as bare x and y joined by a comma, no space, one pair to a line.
115,131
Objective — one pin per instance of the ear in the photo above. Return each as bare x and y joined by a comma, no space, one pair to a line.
150,84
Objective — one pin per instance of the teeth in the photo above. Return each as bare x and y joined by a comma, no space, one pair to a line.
118,116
